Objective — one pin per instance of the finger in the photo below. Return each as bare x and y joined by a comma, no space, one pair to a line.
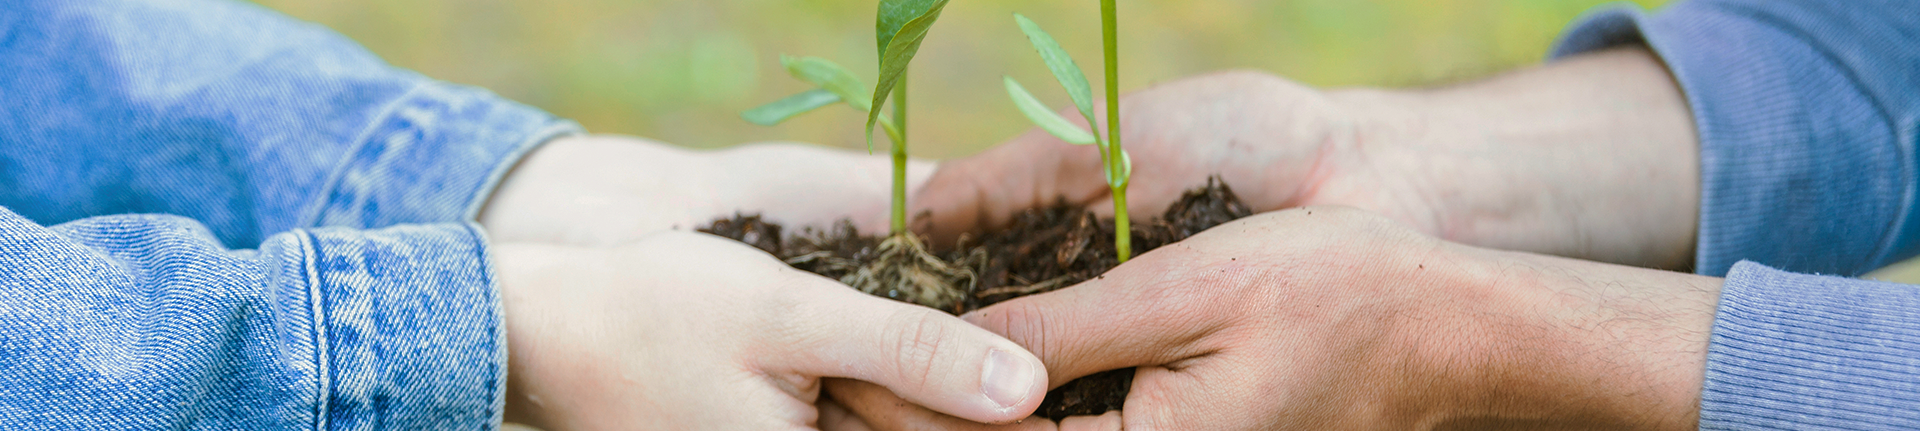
986,190
835,417
1150,311
926,357
883,411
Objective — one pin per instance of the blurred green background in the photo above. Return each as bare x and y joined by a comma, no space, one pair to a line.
681,70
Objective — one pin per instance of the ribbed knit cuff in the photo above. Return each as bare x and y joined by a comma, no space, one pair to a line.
1797,169
1805,352
408,327
435,156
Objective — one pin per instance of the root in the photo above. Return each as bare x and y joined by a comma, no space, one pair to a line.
1044,286
904,270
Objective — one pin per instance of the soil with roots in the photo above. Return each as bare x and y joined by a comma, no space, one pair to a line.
1041,251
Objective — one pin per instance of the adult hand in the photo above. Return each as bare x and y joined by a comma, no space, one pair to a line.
689,331
604,190
1592,157
1332,318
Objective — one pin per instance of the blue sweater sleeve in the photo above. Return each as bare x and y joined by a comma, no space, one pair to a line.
247,121
1807,118
1803,352
1809,115
147,322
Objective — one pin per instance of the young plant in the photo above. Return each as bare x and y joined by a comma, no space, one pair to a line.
1119,166
904,269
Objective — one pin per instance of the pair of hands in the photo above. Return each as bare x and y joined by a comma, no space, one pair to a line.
1338,318
1312,318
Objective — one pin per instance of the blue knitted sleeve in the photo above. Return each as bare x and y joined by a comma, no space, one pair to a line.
1808,113
1807,118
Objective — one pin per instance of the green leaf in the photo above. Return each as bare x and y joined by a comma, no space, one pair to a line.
778,111
899,52
895,14
1062,65
831,77
1045,117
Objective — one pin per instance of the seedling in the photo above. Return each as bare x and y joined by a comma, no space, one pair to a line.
1119,166
904,268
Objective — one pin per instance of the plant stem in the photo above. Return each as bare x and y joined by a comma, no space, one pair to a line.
1123,234
1122,228
900,158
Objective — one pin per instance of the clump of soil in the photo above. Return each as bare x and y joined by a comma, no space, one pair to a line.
1041,251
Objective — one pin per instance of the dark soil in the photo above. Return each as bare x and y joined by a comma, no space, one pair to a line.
1041,251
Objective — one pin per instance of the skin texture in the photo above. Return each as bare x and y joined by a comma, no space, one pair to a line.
1592,157
636,325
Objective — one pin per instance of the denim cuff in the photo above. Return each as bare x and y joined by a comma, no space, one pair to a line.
1802,352
434,156
407,326
1795,167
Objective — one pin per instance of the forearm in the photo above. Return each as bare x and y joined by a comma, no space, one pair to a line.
1805,113
1561,343
1571,344
1593,157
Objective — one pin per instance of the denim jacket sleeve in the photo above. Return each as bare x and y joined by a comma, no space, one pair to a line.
1808,113
146,322
245,120
365,304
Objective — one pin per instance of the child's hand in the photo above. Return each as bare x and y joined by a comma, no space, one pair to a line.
689,331
603,190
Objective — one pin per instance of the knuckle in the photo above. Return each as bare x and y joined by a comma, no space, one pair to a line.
920,338
1024,323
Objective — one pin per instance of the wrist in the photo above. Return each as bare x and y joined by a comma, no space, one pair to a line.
1593,157
1574,344
520,273
599,190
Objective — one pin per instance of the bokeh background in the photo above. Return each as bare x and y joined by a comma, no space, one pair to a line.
681,70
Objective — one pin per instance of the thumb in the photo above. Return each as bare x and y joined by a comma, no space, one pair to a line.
1139,314
927,357
986,190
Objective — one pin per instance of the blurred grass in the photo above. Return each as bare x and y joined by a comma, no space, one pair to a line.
681,70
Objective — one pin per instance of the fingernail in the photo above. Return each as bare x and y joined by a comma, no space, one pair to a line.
1007,379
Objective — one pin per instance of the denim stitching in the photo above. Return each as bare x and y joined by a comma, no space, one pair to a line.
322,369
324,196
496,371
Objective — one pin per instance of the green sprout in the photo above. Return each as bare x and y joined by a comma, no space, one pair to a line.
1119,166
900,28
904,269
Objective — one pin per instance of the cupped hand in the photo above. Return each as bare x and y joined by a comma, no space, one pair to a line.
605,190
1279,144
690,331
1591,157
1333,318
